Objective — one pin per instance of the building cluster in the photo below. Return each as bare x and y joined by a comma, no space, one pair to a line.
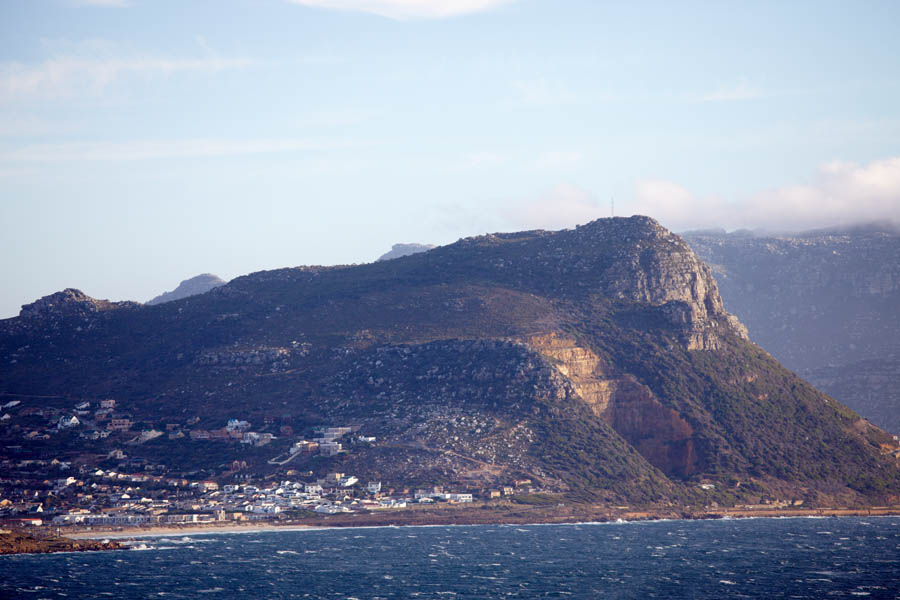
94,497
327,443
103,485
42,422
234,430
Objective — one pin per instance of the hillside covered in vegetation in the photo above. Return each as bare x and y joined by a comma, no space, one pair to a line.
597,363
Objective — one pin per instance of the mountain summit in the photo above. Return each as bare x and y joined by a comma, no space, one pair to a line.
597,362
199,284
400,250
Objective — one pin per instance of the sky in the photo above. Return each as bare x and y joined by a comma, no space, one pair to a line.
143,142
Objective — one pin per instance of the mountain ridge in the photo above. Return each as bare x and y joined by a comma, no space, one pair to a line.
824,302
598,361
199,284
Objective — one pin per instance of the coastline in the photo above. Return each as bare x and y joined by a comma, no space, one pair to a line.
13,542
195,529
467,516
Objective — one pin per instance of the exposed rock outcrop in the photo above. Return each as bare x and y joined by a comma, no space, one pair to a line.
399,250
190,287
68,303
658,433
19,542
275,357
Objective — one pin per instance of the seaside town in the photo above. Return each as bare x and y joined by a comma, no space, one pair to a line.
116,489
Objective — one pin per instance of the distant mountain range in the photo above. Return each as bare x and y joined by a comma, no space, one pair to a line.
825,303
597,362
190,287
398,250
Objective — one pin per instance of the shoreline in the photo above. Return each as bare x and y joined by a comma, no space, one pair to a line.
460,517
196,529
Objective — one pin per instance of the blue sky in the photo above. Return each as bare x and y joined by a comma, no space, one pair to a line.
146,141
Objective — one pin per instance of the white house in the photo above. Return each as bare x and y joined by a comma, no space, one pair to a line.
66,421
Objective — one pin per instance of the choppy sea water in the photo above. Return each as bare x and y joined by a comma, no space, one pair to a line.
752,558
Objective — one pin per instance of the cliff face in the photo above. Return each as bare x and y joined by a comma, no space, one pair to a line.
657,432
659,268
597,361
825,303
630,260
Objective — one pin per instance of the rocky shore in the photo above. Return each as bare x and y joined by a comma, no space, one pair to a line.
19,542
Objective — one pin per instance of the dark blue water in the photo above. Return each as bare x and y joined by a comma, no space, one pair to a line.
757,558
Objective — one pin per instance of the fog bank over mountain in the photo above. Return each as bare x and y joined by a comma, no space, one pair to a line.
837,195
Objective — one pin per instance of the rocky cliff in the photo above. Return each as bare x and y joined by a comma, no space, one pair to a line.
825,303
598,362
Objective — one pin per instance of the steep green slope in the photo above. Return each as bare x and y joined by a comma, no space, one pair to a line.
825,303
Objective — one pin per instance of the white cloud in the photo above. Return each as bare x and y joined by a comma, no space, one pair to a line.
148,150
408,9
675,207
64,76
841,193
563,206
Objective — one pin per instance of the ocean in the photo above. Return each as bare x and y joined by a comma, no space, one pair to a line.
741,558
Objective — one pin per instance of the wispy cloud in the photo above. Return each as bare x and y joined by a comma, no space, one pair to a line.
841,193
563,206
148,150
741,90
408,9
64,76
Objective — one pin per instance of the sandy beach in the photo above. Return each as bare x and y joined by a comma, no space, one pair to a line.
195,529
464,517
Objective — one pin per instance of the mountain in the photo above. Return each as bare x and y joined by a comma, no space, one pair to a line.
825,303
597,362
398,250
190,287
